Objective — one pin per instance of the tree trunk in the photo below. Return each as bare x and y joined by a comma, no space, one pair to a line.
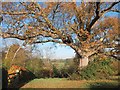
83,62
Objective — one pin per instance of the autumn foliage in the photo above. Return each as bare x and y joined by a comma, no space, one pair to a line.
82,26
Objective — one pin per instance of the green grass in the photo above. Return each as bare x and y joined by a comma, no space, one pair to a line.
52,83
101,84
64,83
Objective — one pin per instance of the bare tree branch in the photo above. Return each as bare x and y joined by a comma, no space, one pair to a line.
96,17
118,11
16,13
107,9
55,41
99,14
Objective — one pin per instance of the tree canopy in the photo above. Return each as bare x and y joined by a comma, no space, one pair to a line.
82,26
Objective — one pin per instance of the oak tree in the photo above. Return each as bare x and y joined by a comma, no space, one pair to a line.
82,26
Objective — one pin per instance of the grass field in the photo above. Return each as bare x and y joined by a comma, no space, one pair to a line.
64,83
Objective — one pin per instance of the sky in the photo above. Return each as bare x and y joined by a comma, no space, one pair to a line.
58,52
64,52
48,50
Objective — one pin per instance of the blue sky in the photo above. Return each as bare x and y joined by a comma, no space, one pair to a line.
57,51
64,52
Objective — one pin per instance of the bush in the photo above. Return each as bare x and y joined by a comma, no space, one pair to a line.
74,76
43,73
97,69
56,72
26,76
67,70
6,63
35,65
63,73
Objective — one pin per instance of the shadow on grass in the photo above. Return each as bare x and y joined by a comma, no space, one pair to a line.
105,85
22,83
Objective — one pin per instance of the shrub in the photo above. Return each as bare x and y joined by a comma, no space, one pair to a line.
63,73
35,65
23,74
74,76
6,63
56,72
97,69
67,70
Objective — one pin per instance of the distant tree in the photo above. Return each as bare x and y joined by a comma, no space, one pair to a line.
81,26
15,55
